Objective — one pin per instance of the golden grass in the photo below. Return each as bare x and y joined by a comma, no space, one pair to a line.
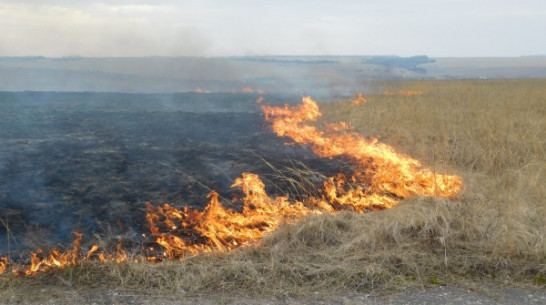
491,132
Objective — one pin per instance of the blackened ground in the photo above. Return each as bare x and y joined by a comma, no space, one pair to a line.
89,162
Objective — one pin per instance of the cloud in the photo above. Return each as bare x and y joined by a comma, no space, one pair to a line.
259,27
96,30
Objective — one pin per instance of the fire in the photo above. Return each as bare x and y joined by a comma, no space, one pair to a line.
251,90
382,177
56,259
410,92
188,231
3,264
359,99
381,172
119,257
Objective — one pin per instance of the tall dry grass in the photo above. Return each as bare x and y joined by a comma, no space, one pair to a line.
491,132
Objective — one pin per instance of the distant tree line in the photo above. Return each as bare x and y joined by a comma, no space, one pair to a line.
21,58
36,58
278,60
408,63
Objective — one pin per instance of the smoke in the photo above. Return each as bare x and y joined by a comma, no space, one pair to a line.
289,76
87,161
97,30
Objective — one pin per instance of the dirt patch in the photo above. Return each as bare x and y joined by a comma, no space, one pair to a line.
430,295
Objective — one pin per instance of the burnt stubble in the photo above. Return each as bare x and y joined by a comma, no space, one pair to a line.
89,162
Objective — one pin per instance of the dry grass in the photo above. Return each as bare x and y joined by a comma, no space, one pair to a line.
493,133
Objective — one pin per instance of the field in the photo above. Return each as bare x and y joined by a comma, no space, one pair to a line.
319,76
490,132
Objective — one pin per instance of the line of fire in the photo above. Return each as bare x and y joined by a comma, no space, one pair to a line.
382,178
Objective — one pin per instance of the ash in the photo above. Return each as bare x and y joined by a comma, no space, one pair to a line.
89,162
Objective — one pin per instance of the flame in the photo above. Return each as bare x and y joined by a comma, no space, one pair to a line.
360,99
410,92
251,90
56,259
259,100
380,171
119,257
381,178
189,231
3,264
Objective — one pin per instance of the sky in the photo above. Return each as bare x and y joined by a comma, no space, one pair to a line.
458,28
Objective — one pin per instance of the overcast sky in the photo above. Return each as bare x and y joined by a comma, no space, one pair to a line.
56,28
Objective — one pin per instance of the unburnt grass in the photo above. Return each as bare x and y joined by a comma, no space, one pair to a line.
492,133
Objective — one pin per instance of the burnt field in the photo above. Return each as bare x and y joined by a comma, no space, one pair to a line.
89,162
447,182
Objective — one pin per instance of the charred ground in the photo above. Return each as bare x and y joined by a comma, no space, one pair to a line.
89,162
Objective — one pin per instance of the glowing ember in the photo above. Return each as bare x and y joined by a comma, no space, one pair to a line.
410,92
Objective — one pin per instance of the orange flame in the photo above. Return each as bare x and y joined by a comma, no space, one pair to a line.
381,179
360,99
56,259
3,264
217,227
380,167
119,257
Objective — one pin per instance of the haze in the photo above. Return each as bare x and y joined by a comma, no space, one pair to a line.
56,28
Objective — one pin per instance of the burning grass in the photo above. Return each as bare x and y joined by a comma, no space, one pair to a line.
492,133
